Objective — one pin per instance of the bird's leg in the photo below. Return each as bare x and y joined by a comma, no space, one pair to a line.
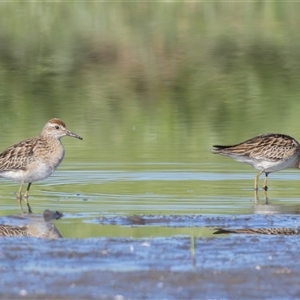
265,187
19,197
26,198
256,179
256,196
266,197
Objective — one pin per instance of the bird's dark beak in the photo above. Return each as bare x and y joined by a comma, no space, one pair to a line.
70,133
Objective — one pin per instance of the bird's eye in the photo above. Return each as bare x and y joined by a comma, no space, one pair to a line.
56,127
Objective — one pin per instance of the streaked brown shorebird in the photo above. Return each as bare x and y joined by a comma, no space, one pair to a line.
267,153
269,231
39,226
36,158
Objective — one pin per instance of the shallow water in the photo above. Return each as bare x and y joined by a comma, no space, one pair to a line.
88,194
147,231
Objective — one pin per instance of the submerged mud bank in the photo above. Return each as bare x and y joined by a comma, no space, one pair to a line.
255,220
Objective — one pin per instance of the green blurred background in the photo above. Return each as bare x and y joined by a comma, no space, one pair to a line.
149,81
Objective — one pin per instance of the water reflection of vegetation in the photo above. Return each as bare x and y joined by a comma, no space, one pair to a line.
151,81
77,230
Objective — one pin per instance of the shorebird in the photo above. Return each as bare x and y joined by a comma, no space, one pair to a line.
37,226
36,158
269,231
267,153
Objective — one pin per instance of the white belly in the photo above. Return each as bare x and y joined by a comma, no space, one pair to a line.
268,166
38,172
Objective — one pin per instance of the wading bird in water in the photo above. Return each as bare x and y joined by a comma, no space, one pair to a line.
267,153
36,158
